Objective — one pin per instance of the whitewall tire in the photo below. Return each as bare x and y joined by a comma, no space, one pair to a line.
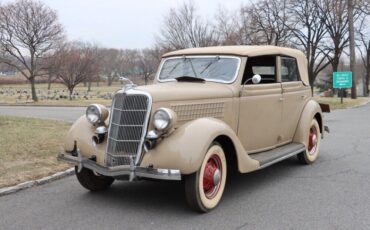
204,188
313,144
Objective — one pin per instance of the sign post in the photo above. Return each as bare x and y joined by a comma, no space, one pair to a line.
342,80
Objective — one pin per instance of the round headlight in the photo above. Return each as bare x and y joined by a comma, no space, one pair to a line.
164,119
96,113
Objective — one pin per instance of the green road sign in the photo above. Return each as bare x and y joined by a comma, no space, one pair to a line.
342,80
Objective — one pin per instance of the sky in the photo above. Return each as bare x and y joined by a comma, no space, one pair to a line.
123,23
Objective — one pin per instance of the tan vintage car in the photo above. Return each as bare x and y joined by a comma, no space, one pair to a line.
210,110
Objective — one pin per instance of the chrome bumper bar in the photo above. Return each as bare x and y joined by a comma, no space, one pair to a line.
132,171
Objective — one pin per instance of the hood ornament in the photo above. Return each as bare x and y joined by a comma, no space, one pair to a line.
129,85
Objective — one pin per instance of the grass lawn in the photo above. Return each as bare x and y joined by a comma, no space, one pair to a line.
334,102
28,149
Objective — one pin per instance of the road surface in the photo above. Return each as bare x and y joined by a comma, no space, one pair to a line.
333,193
44,112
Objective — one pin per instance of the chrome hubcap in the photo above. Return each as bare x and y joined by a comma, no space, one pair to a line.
217,177
212,176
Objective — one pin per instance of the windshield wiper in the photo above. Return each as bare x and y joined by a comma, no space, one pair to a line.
185,59
189,79
173,68
210,63
192,66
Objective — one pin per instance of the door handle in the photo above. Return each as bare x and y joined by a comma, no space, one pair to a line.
303,96
281,99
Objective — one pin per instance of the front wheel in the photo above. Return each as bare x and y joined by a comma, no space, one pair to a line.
93,181
204,188
313,144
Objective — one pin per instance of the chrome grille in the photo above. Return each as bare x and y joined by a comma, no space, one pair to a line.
128,121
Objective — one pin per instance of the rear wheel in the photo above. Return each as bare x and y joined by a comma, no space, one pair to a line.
204,188
313,144
93,181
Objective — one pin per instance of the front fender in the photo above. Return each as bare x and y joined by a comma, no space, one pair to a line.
82,132
186,147
311,109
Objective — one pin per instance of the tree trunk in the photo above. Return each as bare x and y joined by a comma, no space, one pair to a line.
312,90
352,51
335,66
70,93
146,79
89,86
311,79
109,81
49,82
33,89
364,87
367,72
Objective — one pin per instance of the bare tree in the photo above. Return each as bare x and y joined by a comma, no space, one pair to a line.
74,63
309,33
182,28
110,62
363,38
228,27
335,13
335,16
157,52
247,22
147,64
49,67
270,22
128,62
29,30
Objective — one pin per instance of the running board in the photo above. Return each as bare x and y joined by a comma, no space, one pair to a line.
276,155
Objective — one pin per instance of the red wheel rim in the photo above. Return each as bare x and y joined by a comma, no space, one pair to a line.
212,176
312,140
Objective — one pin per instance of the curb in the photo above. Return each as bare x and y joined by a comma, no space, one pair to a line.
354,107
29,184
360,105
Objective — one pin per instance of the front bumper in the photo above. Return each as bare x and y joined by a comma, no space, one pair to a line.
119,171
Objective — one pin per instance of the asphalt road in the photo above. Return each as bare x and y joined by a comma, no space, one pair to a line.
333,193
56,113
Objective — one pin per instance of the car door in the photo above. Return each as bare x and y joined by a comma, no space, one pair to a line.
260,109
295,95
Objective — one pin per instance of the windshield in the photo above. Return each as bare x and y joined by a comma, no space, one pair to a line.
210,68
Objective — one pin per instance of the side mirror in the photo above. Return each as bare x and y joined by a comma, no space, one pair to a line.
256,79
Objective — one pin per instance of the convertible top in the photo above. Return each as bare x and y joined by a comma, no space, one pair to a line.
249,51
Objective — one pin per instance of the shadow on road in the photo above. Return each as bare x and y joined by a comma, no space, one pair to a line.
169,197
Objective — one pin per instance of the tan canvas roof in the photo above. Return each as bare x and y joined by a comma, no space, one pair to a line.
237,50
249,51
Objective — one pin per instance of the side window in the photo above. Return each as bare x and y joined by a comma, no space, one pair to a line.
289,69
262,65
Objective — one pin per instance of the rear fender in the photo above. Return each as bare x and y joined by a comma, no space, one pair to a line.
311,110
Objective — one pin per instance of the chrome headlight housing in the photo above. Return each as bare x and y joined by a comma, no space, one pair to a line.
96,113
164,119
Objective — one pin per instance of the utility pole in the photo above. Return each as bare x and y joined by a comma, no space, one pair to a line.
352,51
367,70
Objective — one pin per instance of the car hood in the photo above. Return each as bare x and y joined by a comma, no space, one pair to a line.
179,91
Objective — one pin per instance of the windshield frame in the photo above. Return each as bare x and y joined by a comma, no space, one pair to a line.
202,56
